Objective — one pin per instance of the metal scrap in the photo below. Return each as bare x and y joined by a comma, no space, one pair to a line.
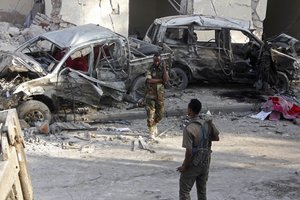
57,127
140,143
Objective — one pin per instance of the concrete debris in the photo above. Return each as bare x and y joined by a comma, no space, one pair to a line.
50,24
165,131
87,148
57,127
12,36
69,145
119,129
134,144
142,144
81,138
87,136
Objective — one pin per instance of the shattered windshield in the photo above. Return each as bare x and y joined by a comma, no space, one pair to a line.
42,51
152,32
39,45
176,35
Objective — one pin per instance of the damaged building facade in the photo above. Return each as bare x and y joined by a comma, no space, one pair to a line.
132,17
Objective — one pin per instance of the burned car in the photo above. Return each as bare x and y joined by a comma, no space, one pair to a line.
215,49
75,66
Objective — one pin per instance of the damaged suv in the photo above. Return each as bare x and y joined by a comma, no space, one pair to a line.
73,66
215,49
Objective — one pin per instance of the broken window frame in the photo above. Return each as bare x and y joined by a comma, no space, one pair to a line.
35,50
153,32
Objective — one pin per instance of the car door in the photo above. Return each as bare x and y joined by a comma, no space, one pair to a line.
210,54
245,52
73,80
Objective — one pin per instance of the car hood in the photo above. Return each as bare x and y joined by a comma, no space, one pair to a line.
19,62
286,44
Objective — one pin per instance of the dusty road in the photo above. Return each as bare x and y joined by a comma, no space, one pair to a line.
253,160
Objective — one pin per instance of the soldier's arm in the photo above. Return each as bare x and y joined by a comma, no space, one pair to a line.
188,157
166,74
187,160
151,80
213,131
187,144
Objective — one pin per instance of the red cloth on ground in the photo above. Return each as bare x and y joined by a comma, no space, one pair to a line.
288,109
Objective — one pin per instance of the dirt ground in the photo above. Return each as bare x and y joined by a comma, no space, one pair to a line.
253,160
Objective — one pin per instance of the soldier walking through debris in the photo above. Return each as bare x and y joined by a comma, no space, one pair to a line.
156,77
197,137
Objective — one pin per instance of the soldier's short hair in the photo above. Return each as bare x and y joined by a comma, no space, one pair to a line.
195,105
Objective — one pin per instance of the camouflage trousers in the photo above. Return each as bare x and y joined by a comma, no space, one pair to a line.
155,111
198,174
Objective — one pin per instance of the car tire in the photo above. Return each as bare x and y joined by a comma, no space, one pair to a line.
138,88
178,79
282,82
33,111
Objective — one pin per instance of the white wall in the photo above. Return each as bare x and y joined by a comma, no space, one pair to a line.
90,11
15,11
251,10
21,6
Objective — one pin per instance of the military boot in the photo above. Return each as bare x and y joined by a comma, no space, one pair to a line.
152,132
155,130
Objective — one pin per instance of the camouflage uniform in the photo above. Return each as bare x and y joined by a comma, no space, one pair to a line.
154,98
195,138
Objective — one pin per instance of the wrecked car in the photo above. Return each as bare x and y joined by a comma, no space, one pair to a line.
215,49
72,67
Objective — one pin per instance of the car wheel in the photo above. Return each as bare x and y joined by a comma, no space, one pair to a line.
282,82
138,88
34,111
178,79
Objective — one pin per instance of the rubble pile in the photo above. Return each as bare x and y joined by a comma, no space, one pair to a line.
12,36
50,24
84,137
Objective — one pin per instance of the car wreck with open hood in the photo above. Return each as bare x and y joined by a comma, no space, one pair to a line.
71,67
215,49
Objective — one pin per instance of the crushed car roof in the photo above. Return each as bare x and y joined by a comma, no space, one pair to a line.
78,34
203,20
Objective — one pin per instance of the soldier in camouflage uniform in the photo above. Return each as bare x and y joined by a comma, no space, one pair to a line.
197,137
156,77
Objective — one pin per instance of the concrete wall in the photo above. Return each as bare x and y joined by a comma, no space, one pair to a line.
95,11
14,11
142,12
251,10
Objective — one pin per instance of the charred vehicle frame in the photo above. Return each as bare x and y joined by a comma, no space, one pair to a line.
74,66
215,49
